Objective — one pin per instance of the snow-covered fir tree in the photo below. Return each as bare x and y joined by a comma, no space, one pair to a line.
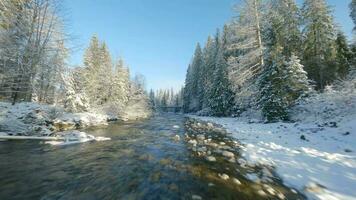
284,22
221,97
319,43
207,71
193,80
75,99
120,84
344,56
282,84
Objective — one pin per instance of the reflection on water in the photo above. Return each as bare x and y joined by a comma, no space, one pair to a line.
142,161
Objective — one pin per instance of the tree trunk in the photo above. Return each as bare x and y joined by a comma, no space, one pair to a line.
258,31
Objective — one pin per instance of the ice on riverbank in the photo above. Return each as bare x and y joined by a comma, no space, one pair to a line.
75,137
317,158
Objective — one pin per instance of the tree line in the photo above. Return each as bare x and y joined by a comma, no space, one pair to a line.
166,100
271,54
32,50
33,63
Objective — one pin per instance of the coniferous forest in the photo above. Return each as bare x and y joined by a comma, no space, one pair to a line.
264,108
270,56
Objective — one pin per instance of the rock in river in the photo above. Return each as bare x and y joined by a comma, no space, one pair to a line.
211,158
193,142
236,181
176,138
224,176
196,197
228,154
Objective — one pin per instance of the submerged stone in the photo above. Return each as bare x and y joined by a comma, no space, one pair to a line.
224,176
211,158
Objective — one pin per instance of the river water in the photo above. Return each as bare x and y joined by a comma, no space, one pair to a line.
142,161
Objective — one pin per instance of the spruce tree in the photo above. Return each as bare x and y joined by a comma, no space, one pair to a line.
284,26
207,73
92,63
193,82
221,97
152,98
344,55
282,84
319,43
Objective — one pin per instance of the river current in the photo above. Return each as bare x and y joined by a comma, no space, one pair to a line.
144,160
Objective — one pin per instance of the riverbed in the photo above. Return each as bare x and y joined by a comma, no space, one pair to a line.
149,159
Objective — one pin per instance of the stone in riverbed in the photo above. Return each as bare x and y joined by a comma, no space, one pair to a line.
202,149
200,137
236,181
196,197
228,154
232,160
176,138
211,158
224,176
193,142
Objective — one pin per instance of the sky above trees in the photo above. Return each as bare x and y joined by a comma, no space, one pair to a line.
157,38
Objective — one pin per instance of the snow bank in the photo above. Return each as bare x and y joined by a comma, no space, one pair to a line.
333,105
319,160
43,120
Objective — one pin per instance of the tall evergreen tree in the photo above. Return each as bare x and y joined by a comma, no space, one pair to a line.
193,81
221,97
120,85
284,27
319,43
344,55
210,56
282,84
152,98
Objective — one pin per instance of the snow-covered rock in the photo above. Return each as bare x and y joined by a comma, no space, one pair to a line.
43,120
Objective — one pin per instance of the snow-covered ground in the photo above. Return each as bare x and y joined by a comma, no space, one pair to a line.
318,159
43,120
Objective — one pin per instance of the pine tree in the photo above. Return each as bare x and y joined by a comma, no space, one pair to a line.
282,84
92,64
210,56
284,27
120,85
221,97
319,44
98,72
344,55
152,98
193,82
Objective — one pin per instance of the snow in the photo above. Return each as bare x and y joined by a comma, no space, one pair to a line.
44,120
323,166
76,137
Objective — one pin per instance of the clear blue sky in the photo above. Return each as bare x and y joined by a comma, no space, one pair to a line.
157,37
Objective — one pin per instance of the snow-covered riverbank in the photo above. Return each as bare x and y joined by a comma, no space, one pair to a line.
318,159
43,120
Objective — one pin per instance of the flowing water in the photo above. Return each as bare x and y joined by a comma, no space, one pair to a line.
142,161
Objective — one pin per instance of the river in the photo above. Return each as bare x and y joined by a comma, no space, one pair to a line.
142,161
